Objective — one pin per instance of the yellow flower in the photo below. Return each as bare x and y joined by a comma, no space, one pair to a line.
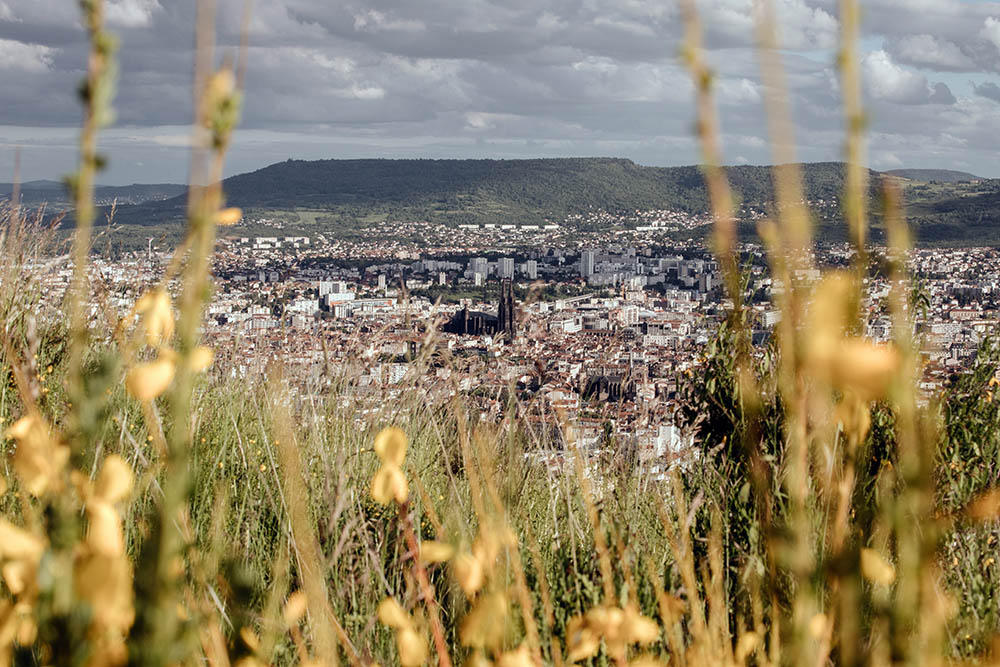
228,216
220,85
390,445
483,627
747,644
390,613
295,607
104,533
639,629
389,483
876,569
477,659
157,315
582,641
18,544
644,661
865,367
817,625
17,575
20,553
148,380
469,573
201,358
250,638
848,363
39,457
412,648
519,657
107,584
435,552
115,481
618,627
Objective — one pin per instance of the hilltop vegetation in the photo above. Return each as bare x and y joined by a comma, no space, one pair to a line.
343,194
928,175
53,193
483,191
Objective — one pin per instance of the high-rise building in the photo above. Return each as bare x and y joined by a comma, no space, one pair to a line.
505,268
587,263
381,281
479,265
531,269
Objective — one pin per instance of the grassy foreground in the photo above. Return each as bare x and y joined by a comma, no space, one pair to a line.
157,512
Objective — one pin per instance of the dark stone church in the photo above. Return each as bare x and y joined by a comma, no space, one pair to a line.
477,323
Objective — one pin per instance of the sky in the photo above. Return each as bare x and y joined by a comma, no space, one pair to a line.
500,79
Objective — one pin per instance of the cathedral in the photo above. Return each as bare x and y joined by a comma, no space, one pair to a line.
476,323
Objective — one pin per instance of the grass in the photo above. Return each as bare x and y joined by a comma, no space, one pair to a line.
157,511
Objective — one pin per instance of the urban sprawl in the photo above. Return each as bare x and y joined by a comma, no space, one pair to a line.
581,332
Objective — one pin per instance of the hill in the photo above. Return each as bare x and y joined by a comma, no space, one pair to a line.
338,196
53,194
928,175
483,191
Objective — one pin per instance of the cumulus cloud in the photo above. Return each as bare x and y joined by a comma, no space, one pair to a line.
991,31
131,13
27,57
374,21
481,78
801,24
988,89
890,82
930,52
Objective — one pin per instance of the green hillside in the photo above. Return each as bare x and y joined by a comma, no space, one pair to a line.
483,191
938,175
339,195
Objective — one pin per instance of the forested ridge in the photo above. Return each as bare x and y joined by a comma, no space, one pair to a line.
352,192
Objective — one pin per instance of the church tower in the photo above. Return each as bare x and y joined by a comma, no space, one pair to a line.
506,319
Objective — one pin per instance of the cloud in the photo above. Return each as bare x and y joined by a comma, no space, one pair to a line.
987,89
482,78
930,52
27,57
374,21
892,83
941,94
886,160
991,31
131,13
801,24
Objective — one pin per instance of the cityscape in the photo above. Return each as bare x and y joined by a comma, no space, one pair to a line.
593,330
